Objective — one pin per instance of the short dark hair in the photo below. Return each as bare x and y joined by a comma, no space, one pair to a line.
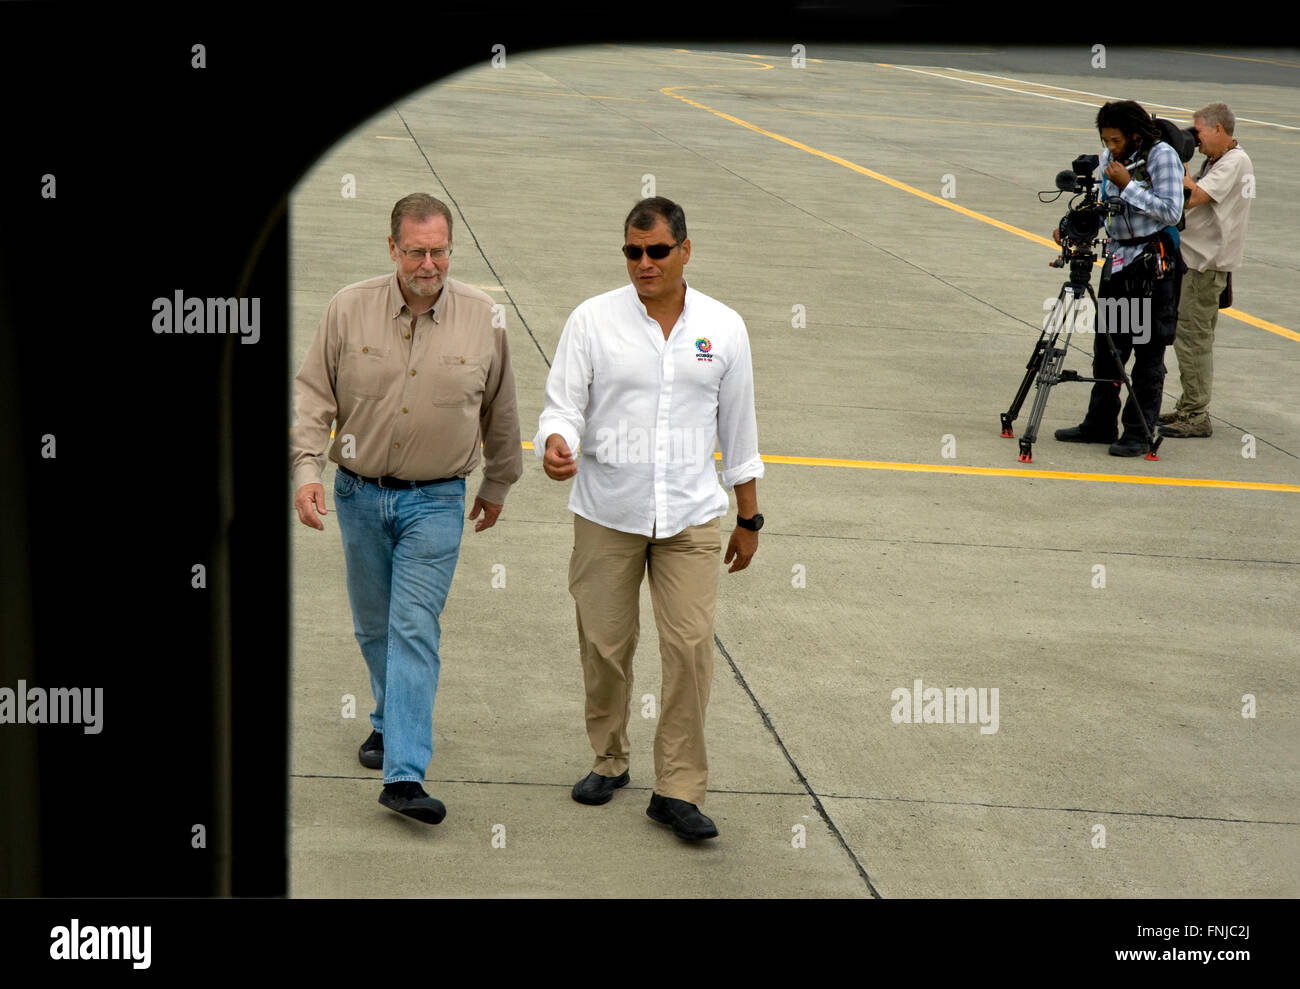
418,206
647,212
1129,117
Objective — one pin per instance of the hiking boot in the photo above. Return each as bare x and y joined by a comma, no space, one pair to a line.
1183,428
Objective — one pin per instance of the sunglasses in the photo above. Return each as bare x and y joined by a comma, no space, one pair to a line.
657,252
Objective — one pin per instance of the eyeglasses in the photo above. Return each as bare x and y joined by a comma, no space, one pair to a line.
418,253
656,251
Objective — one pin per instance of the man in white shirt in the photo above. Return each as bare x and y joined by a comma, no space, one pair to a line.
646,378
1212,246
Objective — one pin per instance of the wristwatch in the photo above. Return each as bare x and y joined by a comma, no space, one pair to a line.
753,524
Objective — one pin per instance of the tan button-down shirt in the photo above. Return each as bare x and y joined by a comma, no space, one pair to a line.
412,401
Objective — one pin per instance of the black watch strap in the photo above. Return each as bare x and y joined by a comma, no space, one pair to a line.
752,524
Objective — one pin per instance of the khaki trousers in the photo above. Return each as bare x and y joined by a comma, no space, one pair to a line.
1198,313
605,575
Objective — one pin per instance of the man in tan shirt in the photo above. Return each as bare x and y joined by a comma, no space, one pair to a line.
1213,246
416,371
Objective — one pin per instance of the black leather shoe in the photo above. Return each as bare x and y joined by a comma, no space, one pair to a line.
411,800
597,789
686,820
1128,446
1077,434
371,752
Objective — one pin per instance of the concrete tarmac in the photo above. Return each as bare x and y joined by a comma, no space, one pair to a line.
873,215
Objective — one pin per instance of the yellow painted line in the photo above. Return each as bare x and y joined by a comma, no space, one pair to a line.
1263,324
844,162
1237,58
912,190
1056,475
930,120
1190,482
960,75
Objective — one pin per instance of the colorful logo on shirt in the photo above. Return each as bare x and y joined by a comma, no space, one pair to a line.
702,348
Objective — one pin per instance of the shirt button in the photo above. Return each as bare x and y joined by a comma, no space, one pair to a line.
412,372
406,336
405,410
365,350
462,360
397,446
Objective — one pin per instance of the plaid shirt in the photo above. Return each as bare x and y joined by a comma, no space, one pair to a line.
1153,203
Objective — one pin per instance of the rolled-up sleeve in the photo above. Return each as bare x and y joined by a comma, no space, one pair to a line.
737,424
503,460
314,402
568,388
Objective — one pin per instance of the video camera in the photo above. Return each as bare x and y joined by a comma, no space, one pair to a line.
1080,226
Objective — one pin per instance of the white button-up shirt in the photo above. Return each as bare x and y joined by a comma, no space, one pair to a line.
647,412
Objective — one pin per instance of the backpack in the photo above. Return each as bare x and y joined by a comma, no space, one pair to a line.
1181,139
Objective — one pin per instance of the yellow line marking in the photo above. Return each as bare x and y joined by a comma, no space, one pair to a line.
932,120
1054,475
1263,324
958,75
1059,475
844,162
1236,58
946,204
1193,482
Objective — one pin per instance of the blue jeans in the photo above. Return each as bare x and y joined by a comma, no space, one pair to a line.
401,547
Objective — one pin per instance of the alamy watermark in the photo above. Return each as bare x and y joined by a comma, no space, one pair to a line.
946,706
194,315
1132,315
77,943
57,706
625,444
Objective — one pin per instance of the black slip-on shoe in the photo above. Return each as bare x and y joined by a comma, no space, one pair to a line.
411,800
371,752
685,818
597,789
1128,446
1077,434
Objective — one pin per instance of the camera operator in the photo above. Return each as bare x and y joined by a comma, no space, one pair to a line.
1212,246
1146,174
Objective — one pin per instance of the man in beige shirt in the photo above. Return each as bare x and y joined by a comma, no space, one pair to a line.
416,371
1212,245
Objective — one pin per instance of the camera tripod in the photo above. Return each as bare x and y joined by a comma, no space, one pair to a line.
1046,362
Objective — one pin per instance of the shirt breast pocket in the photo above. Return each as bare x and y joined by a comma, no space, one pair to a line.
363,372
459,379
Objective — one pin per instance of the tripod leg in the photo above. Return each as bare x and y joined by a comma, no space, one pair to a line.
1031,369
1050,374
1049,371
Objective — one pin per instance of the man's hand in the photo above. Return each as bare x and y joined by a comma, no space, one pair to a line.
1117,173
1056,235
308,497
490,513
742,545
558,461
